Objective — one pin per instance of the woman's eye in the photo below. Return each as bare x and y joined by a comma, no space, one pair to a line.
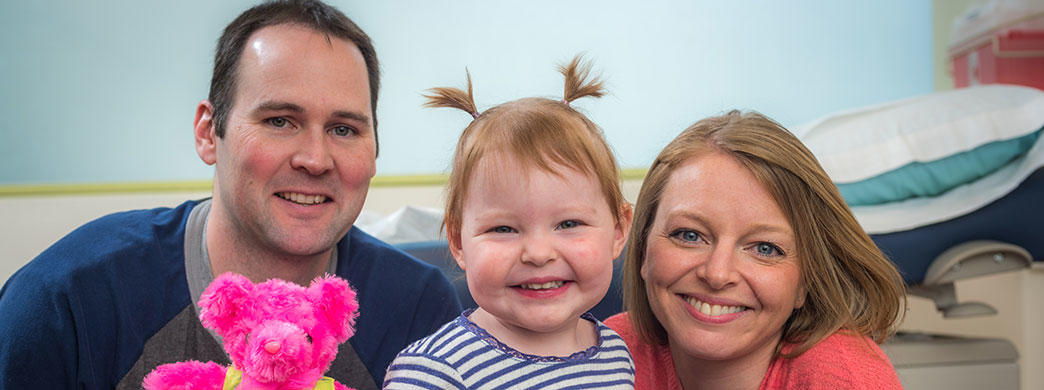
572,223
277,121
686,235
503,229
342,131
766,249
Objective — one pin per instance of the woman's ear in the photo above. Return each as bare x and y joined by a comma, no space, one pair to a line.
801,296
623,229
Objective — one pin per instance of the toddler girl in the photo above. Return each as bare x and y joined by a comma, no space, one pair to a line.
534,217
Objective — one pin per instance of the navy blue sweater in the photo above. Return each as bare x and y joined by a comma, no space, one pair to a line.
78,316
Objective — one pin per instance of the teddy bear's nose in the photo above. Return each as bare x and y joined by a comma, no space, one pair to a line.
273,347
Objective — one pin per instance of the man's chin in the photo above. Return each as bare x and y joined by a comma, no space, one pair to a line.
307,244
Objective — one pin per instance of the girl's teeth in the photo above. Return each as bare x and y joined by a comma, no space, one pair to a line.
543,286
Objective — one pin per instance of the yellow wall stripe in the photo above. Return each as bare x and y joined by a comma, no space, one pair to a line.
28,190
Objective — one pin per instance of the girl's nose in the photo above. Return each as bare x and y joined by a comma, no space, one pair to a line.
538,250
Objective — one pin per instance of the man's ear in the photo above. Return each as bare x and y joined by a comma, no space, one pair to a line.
206,135
453,239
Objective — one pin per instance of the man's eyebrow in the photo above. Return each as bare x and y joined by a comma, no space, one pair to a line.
278,106
285,106
352,116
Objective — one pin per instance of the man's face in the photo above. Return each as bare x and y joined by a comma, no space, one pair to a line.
294,166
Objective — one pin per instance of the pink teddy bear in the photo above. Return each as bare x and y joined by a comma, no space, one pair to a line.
278,335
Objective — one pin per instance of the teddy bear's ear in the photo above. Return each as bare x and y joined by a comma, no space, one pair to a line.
223,301
335,302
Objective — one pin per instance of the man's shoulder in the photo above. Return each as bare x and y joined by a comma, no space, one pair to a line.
118,243
117,236
109,285
363,243
370,265
383,257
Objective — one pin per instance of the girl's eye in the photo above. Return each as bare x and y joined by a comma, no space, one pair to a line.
686,235
572,223
768,250
342,131
503,229
277,121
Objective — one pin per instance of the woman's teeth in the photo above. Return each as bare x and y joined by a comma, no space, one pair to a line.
302,198
713,310
542,286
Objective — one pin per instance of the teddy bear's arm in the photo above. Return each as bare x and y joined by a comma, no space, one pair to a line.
188,375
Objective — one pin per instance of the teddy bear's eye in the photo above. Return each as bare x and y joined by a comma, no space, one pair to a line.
308,337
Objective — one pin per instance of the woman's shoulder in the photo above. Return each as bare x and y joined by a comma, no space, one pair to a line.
653,365
620,323
841,360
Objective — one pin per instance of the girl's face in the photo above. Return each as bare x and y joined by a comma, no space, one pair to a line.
721,267
537,248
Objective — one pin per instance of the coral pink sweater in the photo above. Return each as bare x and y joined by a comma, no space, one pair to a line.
840,361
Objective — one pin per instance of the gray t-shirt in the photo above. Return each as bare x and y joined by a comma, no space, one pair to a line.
184,338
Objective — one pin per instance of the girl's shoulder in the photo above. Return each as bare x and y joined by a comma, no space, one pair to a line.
447,337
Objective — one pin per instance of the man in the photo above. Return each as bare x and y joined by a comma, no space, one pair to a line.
290,126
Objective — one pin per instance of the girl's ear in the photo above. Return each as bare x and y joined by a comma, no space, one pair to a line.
453,239
623,229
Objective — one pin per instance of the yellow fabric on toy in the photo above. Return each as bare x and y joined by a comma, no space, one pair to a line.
233,377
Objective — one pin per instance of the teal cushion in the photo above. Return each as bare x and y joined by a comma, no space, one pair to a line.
932,178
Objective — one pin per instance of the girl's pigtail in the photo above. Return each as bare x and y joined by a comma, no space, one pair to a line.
577,84
453,98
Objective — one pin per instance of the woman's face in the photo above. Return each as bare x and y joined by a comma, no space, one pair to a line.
721,267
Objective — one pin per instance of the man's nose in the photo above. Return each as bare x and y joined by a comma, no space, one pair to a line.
313,153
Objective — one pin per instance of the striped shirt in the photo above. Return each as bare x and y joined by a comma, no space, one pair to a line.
461,355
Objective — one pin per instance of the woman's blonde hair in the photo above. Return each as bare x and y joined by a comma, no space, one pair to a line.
850,283
538,132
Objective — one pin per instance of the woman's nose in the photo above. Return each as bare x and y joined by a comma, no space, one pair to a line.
718,269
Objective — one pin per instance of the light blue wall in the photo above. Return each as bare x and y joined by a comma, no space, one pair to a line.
106,91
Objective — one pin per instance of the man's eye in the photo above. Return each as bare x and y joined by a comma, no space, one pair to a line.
277,121
342,131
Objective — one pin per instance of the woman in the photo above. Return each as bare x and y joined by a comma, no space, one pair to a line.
747,270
